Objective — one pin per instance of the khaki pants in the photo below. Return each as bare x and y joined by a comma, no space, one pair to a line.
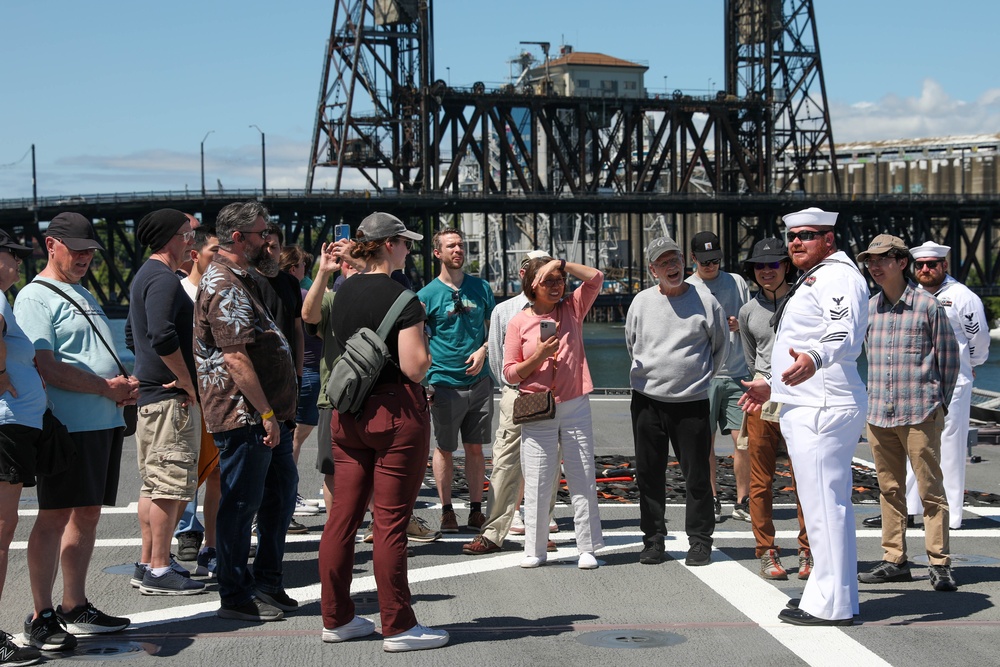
921,445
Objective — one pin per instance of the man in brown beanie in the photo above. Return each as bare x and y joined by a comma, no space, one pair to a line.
168,435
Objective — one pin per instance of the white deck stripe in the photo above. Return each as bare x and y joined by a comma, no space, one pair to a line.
760,602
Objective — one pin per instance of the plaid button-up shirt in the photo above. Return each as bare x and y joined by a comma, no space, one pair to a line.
913,358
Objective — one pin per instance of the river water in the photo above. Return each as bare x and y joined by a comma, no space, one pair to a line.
609,362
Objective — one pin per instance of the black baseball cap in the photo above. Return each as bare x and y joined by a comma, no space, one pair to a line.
10,243
75,231
706,246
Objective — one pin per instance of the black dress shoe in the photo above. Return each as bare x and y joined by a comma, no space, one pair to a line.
793,603
799,617
876,521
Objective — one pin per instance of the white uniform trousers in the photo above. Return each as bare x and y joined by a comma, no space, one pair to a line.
821,443
954,446
540,466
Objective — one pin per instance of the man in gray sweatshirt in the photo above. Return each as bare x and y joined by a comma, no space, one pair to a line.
678,338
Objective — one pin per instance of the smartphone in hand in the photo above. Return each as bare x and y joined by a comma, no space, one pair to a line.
547,329
341,232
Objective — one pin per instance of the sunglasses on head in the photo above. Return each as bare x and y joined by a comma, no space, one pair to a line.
760,266
804,235
926,264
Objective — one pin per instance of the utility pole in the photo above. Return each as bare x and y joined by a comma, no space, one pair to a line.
263,164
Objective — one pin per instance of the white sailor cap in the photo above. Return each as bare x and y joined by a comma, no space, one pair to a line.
810,217
930,250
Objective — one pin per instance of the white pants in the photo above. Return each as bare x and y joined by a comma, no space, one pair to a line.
540,466
821,443
954,445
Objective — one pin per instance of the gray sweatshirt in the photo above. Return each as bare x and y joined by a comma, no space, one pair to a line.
503,313
677,344
757,332
732,293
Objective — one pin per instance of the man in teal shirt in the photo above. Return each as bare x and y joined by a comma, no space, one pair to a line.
458,312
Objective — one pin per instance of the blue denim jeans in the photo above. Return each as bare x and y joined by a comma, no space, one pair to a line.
189,519
257,481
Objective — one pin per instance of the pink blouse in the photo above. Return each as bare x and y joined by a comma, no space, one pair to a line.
572,375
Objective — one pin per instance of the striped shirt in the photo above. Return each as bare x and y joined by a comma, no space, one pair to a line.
913,358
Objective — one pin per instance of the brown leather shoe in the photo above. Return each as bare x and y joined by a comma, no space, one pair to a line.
479,546
449,522
476,520
550,546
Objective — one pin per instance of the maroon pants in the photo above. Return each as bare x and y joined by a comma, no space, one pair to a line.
383,450
765,438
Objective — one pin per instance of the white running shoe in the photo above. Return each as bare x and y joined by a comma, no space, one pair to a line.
517,525
357,627
302,508
416,638
587,561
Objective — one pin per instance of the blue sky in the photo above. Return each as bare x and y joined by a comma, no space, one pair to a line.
117,95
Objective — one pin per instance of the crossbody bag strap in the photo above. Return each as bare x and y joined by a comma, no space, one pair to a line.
776,318
79,308
401,302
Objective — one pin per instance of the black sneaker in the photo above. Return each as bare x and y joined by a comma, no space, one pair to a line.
208,562
48,632
171,583
718,508
885,572
296,528
12,655
698,554
941,578
281,600
254,610
89,620
652,554
189,544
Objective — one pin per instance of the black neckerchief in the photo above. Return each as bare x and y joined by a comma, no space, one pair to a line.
776,318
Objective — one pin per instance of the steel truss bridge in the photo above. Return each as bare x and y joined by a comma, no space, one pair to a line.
970,225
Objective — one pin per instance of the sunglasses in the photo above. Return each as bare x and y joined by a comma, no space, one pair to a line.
804,236
17,258
929,264
760,266
263,234
553,282
188,236
407,242
709,262
456,300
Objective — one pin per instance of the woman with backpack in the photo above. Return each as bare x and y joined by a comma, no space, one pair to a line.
381,449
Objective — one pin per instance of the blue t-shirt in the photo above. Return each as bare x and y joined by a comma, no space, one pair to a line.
52,323
29,406
457,320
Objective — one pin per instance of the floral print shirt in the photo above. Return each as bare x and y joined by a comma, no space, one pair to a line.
229,311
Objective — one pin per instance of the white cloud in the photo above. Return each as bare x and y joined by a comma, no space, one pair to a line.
934,113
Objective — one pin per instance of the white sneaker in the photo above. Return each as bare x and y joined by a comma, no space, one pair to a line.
517,525
302,508
587,561
532,561
416,638
307,501
357,627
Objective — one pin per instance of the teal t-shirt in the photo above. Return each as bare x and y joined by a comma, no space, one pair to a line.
51,323
457,320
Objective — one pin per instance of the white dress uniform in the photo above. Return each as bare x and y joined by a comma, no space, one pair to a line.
968,319
821,422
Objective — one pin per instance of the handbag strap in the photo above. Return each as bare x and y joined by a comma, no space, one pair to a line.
83,312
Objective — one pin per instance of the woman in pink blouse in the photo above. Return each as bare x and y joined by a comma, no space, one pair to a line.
560,364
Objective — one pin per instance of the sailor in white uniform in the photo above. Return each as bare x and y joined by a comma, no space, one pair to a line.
968,319
820,333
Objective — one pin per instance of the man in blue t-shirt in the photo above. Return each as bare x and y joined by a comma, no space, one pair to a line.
458,311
